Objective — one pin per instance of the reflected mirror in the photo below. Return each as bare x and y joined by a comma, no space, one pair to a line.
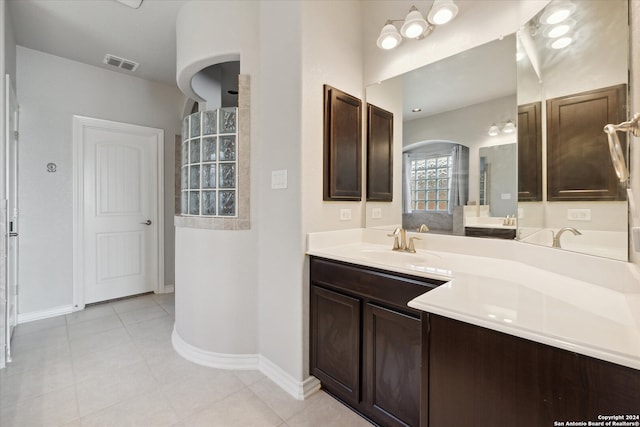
569,69
457,177
596,58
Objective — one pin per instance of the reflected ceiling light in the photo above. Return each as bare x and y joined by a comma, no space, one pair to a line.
561,43
389,37
509,127
559,30
414,24
557,12
494,130
442,11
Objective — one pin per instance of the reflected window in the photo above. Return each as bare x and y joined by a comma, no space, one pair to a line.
430,183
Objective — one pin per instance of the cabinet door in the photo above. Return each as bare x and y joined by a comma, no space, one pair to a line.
578,162
335,342
392,361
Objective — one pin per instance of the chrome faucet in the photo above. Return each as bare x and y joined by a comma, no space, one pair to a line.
400,241
556,237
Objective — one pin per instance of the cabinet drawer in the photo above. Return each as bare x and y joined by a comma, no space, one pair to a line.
393,289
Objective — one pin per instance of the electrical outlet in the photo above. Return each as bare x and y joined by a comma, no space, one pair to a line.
579,214
505,196
279,179
376,213
345,214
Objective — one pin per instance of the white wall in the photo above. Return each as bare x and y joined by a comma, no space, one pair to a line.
217,278
51,90
635,107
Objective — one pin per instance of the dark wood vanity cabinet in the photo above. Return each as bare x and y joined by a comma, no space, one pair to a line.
366,343
479,377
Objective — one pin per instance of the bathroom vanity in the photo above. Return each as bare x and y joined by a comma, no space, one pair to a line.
498,342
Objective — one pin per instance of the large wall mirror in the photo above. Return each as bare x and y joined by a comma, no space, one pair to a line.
458,122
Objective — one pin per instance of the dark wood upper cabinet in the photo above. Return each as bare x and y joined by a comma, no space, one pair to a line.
342,146
530,152
578,162
379,154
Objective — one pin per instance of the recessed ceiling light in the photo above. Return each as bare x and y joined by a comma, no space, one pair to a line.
416,110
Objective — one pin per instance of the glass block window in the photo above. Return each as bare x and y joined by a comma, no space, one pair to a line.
430,183
209,182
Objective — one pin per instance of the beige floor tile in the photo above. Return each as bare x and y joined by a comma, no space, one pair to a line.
52,409
53,338
35,382
242,409
100,341
194,395
100,363
285,405
162,326
171,368
327,412
38,325
249,377
133,304
36,359
148,410
94,326
143,314
90,313
114,387
164,298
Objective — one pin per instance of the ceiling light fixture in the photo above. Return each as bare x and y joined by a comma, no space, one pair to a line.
416,110
414,25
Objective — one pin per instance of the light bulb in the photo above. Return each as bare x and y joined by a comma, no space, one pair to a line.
561,43
389,37
442,12
414,24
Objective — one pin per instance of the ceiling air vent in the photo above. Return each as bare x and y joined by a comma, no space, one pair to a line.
122,63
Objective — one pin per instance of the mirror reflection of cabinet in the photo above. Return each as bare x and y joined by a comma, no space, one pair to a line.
577,148
379,154
530,152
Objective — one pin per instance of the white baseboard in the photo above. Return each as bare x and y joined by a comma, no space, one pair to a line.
300,390
168,289
44,314
211,359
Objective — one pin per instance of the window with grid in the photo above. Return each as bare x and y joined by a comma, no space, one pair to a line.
430,183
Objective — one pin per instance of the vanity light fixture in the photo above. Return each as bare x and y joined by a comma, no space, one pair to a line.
559,30
494,130
509,127
414,25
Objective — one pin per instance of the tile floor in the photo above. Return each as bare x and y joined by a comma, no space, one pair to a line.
113,365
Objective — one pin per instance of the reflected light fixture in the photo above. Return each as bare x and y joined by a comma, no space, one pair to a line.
414,25
561,43
557,12
442,12
509,127
559,30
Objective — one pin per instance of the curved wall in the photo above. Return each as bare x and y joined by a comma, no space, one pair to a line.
216,270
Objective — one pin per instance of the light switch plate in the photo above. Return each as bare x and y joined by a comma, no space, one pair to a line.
376,213
579,214
345,214
279,179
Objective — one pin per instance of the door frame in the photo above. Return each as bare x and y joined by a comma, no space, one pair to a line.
80,123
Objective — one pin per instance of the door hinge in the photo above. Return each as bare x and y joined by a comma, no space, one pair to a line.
16,134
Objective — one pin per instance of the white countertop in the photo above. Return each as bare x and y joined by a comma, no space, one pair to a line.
511,296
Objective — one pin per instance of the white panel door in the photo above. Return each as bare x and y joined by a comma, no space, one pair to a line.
120,186
12,212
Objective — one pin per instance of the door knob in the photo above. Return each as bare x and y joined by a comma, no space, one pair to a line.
147,222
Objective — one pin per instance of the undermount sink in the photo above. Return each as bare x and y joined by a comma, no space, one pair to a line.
420,261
